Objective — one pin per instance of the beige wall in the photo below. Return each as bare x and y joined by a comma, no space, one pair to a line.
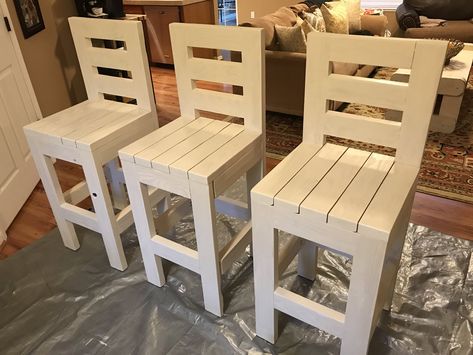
260,7
50,57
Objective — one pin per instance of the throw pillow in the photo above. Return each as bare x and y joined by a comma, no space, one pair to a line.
291,39
335,16
316,20
354,15
307,28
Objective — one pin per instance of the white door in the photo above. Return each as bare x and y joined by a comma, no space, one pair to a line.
18,107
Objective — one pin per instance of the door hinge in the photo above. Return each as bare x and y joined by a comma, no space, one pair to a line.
7,24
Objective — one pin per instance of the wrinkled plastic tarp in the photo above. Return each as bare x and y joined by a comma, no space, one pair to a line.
56,301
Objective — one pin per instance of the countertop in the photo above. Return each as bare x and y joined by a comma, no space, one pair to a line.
161,2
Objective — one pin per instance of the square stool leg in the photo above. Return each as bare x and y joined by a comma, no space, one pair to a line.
265,269
363,295
144,224
203,208
117,186
253,176
307,260
47,173
95,177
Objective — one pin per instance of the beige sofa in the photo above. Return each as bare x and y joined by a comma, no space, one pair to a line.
285,71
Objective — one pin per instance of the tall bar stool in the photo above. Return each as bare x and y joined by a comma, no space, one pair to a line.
199,158
91,133
343,199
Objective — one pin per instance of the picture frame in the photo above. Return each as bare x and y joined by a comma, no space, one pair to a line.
30,17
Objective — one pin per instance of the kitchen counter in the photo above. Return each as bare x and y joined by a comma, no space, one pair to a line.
161,2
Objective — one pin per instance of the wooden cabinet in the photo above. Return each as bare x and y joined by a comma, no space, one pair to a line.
158,18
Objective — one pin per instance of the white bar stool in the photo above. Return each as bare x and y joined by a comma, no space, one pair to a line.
199,158
90,133
347,200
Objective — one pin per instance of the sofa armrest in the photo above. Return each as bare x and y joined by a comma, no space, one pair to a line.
285,81
375,24
407,17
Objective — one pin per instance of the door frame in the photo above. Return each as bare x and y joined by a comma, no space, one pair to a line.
21,61
26,78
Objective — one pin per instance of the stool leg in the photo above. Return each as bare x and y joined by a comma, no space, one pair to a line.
45,167
95,177
265,268
307,260
253,176
144,224
117,187
393,258
203,208
362,296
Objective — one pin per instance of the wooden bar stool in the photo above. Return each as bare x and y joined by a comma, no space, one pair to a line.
199,158
351,201
90,133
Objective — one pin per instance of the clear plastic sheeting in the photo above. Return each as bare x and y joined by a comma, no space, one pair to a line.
56,301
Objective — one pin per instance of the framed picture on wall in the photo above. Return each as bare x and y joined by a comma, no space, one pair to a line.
30,17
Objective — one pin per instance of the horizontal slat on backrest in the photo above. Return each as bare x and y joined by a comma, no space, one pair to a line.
378,51
109,58
374,92
216,71
363,129
218,102
248,73
217,37
116,86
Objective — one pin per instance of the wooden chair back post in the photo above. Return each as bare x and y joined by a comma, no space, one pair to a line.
248,74
131,59
415,99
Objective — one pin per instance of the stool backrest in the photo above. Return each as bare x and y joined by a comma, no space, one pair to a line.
131,59
415,99
248,74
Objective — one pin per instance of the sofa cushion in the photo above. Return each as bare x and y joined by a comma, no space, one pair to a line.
282,17
335,16
291,39
376,25
444,9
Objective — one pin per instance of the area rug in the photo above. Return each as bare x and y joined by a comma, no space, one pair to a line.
447,167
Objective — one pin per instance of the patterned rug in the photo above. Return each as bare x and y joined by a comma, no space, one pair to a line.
447,167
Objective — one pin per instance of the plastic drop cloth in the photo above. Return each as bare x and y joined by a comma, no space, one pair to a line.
56,301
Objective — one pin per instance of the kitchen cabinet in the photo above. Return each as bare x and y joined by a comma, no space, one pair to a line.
159,14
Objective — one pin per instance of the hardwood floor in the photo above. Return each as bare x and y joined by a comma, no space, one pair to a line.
36,219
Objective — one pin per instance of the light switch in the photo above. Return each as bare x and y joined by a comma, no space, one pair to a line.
252,14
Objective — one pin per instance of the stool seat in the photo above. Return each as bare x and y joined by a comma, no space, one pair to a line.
90,124
343,187
199,149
